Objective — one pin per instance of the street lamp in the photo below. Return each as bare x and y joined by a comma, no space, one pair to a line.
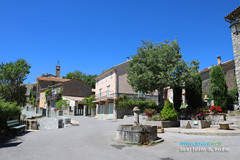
235,27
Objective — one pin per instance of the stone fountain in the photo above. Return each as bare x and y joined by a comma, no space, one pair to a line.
137,133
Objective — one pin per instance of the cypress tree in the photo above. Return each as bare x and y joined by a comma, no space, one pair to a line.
194,92
177,97
193,87
218,86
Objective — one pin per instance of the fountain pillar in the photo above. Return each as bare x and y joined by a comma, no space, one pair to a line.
136,111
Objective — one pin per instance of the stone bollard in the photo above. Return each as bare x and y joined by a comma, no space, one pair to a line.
136,111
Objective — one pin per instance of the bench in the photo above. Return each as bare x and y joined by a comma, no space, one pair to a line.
15,124
224,125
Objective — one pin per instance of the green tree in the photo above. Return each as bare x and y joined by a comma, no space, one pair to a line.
193,87
89,79
218,86
12,75
90,100
62,104
154,67
32,97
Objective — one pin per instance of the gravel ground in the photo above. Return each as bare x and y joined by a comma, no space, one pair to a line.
94,139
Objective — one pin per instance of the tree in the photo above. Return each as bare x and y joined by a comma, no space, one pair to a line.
168,112
32,97
62,104
89,79
193,87
154,67
218,86
90,100
12,75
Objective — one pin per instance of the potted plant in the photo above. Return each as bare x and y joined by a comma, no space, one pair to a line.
160,129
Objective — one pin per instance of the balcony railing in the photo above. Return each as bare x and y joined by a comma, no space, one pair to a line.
51,97
104,95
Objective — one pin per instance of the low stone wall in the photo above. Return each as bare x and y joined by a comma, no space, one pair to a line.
195,124
53,123
164,124
215,118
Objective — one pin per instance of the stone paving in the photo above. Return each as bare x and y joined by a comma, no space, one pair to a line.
94,140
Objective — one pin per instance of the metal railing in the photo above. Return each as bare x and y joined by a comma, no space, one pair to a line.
105,95
52,97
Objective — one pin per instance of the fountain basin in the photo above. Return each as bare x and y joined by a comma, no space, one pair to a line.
142,134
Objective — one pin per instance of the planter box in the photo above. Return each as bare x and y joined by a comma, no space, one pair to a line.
164,124
195,124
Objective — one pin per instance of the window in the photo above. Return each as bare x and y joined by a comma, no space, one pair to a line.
102,80
42,95
111,75
106,78
141,94
97,81
58,90
108,91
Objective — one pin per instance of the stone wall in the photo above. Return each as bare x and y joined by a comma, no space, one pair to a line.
164,124
236,51
195,124
229,71
76,88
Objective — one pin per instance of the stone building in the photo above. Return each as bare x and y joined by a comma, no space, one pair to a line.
229,71
234,19
46,80
112,84
72,90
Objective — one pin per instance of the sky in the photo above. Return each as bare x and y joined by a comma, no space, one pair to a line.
93,35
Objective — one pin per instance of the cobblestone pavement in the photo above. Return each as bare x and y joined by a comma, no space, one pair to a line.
94,139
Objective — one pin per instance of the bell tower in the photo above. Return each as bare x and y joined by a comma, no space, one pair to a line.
57,73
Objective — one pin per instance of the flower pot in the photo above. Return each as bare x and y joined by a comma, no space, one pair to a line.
161,130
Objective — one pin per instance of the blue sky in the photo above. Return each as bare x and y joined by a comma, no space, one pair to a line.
92,36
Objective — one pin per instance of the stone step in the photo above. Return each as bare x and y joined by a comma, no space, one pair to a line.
74,123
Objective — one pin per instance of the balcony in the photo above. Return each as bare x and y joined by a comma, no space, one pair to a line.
105,95
51,97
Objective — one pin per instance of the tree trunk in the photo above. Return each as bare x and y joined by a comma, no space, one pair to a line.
160,96
177,97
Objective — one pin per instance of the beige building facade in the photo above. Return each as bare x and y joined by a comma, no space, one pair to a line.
112,84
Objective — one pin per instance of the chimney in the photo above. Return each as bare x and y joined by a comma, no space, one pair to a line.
127,58
57,74
219,60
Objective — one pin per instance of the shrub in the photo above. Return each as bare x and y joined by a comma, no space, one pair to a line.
155,118
168,112
8,111
233,96
150,112
124,101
